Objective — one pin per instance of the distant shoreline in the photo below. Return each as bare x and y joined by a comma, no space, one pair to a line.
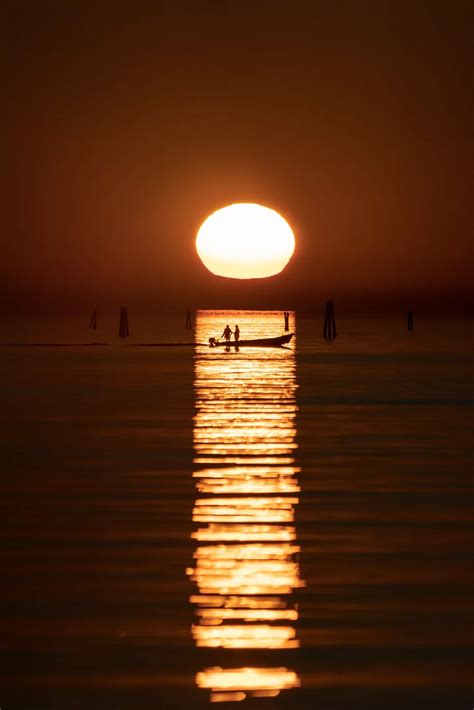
89,345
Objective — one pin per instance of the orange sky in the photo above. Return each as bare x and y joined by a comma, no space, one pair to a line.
125,125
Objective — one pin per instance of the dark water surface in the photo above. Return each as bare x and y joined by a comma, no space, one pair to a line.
282,528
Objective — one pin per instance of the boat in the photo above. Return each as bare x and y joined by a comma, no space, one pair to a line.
255,343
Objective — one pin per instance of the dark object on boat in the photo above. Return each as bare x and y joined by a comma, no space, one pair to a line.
257,343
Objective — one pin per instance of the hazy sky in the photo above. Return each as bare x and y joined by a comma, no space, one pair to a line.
125,124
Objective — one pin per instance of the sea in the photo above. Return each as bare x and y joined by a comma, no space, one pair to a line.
253,527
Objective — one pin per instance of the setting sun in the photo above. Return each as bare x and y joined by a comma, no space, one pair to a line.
245,241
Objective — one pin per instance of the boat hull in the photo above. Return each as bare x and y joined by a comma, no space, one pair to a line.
256,343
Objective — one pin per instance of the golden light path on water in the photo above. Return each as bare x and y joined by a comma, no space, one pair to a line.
245,564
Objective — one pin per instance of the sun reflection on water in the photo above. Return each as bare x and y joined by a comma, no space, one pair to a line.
246,563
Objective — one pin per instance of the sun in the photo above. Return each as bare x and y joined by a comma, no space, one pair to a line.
245,241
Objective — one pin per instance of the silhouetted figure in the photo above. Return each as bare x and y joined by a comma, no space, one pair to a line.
123,328
226,334
410,320
329,331
93,321
189,323
236,334
287,320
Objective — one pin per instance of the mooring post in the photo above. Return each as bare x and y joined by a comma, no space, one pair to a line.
410,320
287,320
123,328
93,321
329,332
189,323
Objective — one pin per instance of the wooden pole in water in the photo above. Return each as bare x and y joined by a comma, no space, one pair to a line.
123,328
93,321
410,320
329,331
189,323
287,320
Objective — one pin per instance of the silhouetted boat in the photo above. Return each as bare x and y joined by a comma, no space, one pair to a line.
256,343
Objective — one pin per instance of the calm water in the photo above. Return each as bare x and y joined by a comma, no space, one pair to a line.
278,528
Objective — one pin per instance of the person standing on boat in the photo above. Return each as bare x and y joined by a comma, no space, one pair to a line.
237,334
226,334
